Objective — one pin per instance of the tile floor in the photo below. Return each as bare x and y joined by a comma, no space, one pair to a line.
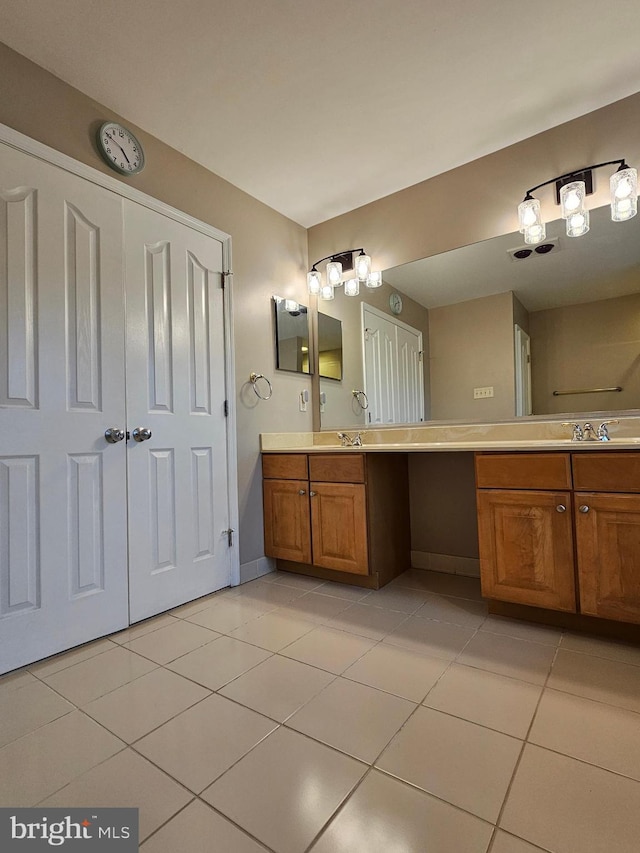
291,715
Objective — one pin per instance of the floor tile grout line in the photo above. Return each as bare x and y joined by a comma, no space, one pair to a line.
590,699
525,742
237,826
535,847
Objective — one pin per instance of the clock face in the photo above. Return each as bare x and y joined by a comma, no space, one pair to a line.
395,303
120,148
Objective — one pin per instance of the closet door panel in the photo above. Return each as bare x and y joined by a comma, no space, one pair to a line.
63,535
178,481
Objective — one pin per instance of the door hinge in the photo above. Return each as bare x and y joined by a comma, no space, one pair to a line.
225,274
226,408
229,533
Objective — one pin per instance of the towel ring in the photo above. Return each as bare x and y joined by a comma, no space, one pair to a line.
254,379
361,399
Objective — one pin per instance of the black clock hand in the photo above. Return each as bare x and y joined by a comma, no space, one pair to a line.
119,146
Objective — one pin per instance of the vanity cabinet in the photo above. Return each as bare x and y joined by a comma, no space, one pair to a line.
607,518
561,531
525,529
339,516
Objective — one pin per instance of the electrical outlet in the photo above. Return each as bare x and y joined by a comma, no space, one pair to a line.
481,393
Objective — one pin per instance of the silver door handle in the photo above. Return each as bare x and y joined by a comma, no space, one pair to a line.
141,434
561,508
113,435
584,508
301,492
312,494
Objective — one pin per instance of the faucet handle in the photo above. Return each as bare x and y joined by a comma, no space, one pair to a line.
578,432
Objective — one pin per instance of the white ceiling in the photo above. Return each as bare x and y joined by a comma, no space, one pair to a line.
319,106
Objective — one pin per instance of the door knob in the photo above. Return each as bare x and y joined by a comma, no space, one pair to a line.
114,435
561,508
141,434
301,492
584,508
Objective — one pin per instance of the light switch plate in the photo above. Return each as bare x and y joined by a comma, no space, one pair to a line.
481,393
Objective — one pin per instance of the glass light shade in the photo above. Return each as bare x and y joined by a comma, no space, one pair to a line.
578,224
327,292
572,198
363,267
535,233
529,214
624,194
334,273
314,283
290,305
351,287
375,279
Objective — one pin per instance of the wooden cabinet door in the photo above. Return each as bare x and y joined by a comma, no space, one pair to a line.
339,527
287,530
608,545
526,548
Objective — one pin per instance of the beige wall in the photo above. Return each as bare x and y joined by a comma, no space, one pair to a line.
593,345
471,346
269,254
443,504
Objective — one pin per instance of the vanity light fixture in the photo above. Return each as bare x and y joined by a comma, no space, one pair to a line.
339,264
571,191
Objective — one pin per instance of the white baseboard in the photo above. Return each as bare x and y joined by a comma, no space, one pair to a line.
467,566
256,569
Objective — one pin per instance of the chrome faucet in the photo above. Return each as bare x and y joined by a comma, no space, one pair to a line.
590,433
350,440
603,432
578,432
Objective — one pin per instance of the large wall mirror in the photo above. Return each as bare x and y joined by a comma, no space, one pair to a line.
556,332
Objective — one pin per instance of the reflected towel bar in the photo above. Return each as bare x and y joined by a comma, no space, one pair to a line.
586,391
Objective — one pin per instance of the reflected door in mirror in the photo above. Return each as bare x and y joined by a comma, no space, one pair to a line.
393,372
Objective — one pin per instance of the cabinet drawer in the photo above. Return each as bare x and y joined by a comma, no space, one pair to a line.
337,467
606,472
523,471
284,466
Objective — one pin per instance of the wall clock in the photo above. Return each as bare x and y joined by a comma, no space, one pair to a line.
395,303
120,148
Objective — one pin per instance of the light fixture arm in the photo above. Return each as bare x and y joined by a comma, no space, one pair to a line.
336,255
622,164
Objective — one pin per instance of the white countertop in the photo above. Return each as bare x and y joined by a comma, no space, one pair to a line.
445,446
531,436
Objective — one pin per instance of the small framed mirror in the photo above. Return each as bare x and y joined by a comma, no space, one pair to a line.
329,347
292,335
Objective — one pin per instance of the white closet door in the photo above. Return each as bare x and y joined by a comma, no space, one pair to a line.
63,553
380,365
178,478
410,376
393,373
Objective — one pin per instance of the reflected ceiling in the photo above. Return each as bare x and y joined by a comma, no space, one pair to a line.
602,264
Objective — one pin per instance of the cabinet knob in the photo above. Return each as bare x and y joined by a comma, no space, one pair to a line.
312,494
301,492
583,508
561,508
